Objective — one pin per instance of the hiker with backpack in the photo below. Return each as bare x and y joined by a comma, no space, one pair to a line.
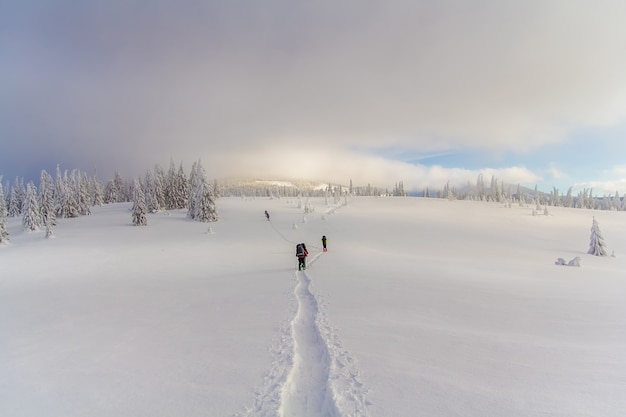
324,243
267,215
301,254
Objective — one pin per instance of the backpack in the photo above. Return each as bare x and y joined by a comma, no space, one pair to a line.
300,250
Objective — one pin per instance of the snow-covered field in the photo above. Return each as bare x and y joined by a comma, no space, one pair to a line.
421,307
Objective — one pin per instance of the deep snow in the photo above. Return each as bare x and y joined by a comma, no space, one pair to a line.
421,307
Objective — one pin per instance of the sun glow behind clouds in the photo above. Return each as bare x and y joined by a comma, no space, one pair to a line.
340,166
294,88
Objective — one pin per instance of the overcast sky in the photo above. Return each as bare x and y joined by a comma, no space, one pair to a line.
417,91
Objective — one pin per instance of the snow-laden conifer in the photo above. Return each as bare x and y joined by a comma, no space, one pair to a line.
150,193
47,202
139,205
208,211
120,188
15,201
46,192
181,189
80,186
159,186
4,234
193,201
97,191
67,206
59,191
31,219
201,197
170,186
597,247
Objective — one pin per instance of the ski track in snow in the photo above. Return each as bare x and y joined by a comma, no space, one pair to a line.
311,375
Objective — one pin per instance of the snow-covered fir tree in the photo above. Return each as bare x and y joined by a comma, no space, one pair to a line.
46,191
47,201
181,189
15,202
201,198
31,219
139,205
4,234
67,206
169,186
208,211
110,193
150,193
80,186
97,191
597,247
192,200
115,190
120,188
496,190
176,187
59,191
480,188
159,186
569,199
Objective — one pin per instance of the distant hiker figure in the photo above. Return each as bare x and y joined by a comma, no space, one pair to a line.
301,254
324,243
267,215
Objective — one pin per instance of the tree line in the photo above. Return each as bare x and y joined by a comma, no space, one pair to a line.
498,192
72,193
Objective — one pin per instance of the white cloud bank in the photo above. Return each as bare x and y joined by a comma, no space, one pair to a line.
128,85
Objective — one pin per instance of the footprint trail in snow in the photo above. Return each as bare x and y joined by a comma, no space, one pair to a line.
311,375
306,391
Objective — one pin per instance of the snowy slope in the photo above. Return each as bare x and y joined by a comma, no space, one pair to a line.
420,307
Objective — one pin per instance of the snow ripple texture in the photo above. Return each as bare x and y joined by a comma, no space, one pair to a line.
311,376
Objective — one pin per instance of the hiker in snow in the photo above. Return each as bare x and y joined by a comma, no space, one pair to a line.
267,215
301,253
324,243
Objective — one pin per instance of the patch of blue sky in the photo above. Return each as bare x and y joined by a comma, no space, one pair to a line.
583,156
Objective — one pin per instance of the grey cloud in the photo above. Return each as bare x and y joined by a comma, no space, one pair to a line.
128,83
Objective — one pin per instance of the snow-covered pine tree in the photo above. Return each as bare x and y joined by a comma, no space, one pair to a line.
181,193
615,202
47,202
67,206
201,199
80,184
98,191
120,188
15,204
31,218
59,190
139,205
208,212
170,185
115,190
159,186
596,241
150,193
7,187
4,234
110,193
193,200
480,187
569,199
